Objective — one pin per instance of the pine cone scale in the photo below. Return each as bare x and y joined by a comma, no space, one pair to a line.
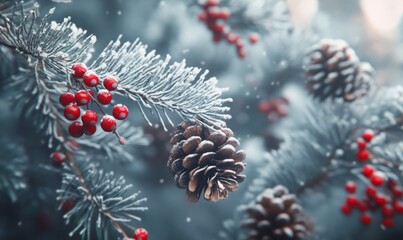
239,156
191,144
206,158
225,151
190,161
182,180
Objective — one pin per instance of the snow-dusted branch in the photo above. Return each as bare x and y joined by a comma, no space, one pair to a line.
328,133
153,83
58,45
162,86
102,201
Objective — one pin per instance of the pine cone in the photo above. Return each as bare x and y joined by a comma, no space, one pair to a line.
275,215
205,161
333,70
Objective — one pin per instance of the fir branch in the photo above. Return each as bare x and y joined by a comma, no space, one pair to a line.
298,161
328,132
101,200
58,45
144,78
155,84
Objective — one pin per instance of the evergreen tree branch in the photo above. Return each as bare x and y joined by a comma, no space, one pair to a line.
329,132
97,195
152,83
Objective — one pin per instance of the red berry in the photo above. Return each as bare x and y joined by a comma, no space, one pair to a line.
79,70
352,200
381,199
213,13
66,98
361,144
368,170
241,53
219,28
202,16
120,111
282,110
398,206
370,191
387,211
351,186
253,38
72,112
110,83
58,158
397,191
89,118
210,23
366,218
140,234
345,209
82,98
104,97
377,178
67,205
368,135
264,106
224,14
91,79
90,129
232,37
76,129
363,155
239,44
387,222
108,123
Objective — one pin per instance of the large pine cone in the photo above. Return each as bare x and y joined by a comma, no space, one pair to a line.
334,71
275,215
205,161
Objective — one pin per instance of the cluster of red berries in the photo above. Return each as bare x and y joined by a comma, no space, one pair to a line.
275,109
382,193
214,17
362,152
140,234
72,102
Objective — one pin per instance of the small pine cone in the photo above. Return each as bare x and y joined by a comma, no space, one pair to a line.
275,215
205,161
334,71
